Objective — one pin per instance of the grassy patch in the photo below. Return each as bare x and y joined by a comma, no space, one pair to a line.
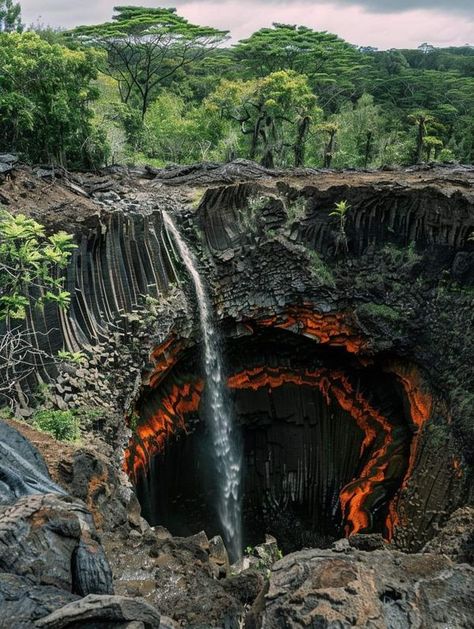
62,425
372,310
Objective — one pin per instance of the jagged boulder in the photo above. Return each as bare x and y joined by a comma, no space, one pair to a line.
91,477
456,538
379,589
178,577
116,611
22,603
51,540
23,471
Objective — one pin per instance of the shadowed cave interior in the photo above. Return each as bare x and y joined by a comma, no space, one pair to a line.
326,443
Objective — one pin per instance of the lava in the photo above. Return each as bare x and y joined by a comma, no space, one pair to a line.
165,356
330,329
378,444
150,437
382,445
420,404
356,495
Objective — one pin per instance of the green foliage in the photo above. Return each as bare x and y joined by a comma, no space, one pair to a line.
174,133
10,16
264,556
375,311
29,258
62,425
146,47
360,129
331,64
149,86
296,210
402,258
72,357
340,213
341,209
320,270
45,93
274,112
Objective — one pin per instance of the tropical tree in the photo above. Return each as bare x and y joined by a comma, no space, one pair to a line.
421,120
331,64
45,97
360,128
146,47
28,260
30,276
274,112
176,133
329,129
10,16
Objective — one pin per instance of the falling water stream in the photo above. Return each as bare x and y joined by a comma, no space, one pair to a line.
225,442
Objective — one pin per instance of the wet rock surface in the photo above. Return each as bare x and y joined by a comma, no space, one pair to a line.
182,577
323,588
267,243
53,569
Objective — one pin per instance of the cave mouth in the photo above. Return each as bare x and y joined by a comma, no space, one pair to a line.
326,443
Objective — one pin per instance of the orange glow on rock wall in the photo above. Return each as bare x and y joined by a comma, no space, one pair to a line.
382,445
150,437
164,356
420,404
357,496
329,329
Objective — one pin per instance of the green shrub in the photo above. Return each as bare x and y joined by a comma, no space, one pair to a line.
63,425
320,269
375,311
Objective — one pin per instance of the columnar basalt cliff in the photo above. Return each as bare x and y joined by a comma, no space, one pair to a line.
349,367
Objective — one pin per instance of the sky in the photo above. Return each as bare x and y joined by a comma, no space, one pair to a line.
380,23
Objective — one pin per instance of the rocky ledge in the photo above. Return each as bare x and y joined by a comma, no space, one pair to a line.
393,306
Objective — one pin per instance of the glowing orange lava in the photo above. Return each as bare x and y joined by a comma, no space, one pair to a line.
354,496
420,404
150,437
331,329
381,445
165,356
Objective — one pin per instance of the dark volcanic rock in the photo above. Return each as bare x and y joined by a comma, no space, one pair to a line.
103,611
177,576
50,540
320,588
22,603
95,480
456,538
22,469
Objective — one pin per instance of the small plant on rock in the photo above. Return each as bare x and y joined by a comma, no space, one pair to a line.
62,425
340,213
72,357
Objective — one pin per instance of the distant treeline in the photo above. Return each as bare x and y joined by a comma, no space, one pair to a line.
148,86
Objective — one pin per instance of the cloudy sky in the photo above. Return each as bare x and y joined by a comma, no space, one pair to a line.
381,23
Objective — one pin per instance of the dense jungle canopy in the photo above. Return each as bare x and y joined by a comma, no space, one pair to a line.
149,86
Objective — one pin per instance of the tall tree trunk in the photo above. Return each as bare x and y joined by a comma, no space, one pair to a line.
269,138
328,153
300,144
368,148
419,140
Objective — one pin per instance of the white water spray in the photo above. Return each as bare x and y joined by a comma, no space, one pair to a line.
227,451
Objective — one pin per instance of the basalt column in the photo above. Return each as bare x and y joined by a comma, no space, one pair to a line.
326,443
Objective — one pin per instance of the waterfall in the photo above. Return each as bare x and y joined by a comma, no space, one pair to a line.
225,442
